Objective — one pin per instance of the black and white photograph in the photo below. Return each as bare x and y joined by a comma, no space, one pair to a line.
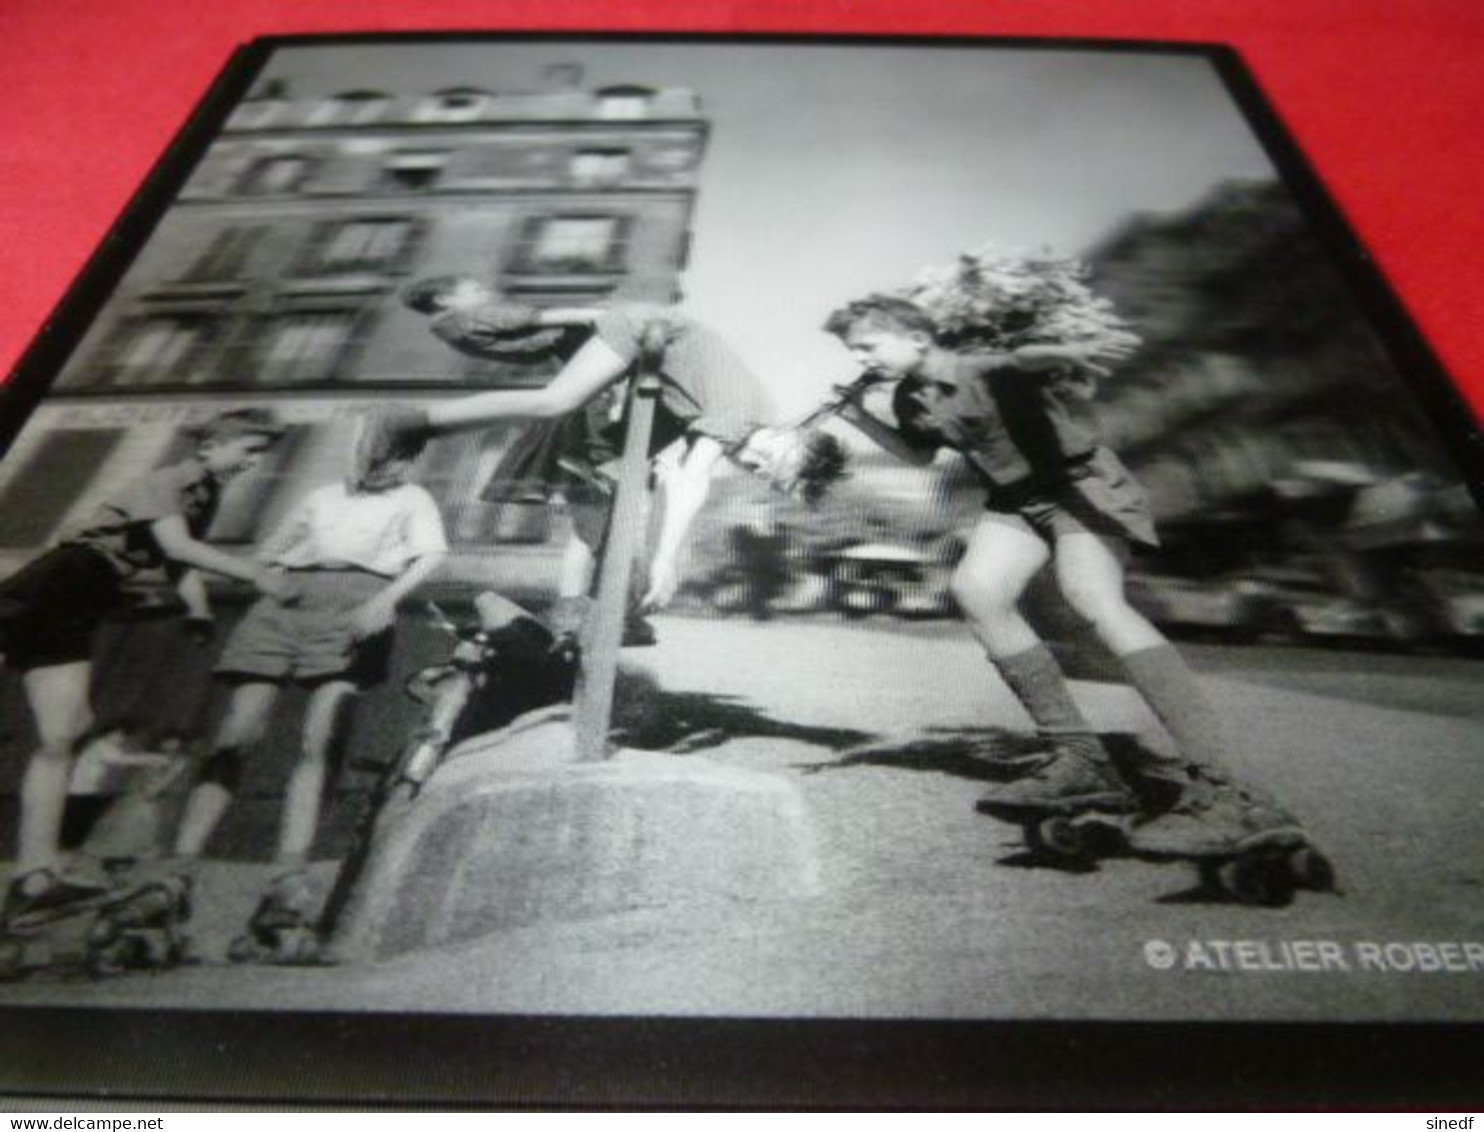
741,530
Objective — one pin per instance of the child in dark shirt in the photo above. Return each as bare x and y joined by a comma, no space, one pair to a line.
711,407
1053,495
51,608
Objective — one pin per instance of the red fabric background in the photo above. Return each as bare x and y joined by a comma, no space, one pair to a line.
1377,93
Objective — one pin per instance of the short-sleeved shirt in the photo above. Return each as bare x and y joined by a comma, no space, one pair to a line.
1012,425
120,527
378,531
477,334
706,389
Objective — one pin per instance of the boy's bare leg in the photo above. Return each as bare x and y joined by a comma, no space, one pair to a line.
999,564
58,695
1090,574
990,580
324,719
245,723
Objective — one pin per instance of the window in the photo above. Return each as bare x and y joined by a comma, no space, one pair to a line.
301,347
163,349
41,492
257,113
623,102
353,108
225,258
412,172
273,176
461,104
593,167
375,244
594,244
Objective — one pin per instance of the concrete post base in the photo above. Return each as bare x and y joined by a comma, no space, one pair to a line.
513,831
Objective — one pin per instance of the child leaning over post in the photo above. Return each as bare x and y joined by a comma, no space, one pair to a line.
711,409
1018,414
51,609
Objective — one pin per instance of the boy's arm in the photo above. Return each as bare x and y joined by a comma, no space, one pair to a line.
191,587
199,621
685,491
593,368
567,316
179,545
1092,358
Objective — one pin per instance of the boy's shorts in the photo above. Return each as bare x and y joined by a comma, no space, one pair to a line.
310,641
1100,497
51,608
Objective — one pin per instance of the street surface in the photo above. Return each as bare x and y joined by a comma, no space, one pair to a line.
929,909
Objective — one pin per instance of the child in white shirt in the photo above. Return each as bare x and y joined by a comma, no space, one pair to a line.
352,550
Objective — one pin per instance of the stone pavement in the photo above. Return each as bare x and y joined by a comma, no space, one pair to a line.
927,909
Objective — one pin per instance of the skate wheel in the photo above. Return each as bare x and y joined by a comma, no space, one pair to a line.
12,960
1312,870
1058,837
1104,838
113,958
1260,881
298,947
103,932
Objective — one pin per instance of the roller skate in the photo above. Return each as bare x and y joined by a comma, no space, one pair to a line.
1072,808
284,927
143,930
1246,847
62,924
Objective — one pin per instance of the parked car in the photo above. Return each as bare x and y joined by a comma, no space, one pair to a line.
1218,606
1457,601
1303,603
883,577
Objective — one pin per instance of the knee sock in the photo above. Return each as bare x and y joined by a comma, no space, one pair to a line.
1039,685
1167,684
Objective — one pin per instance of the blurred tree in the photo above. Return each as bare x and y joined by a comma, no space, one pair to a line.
991,299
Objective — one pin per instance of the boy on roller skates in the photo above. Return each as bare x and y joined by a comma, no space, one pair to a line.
50,610
349,553
1020,417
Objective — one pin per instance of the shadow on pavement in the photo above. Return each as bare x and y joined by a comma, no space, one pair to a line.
989,754
647,718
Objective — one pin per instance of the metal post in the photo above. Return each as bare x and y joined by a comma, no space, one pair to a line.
602,633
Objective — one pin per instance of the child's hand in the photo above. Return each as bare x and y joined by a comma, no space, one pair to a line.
371,618
277,585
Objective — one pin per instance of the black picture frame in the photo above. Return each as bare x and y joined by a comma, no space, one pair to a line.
129,1057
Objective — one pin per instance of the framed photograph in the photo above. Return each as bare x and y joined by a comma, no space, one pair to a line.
684,571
